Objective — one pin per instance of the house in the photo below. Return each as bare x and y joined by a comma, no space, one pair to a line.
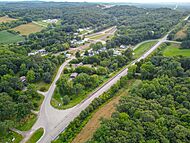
77,65
23,79
123,46
73,75
42,52
116,53
51,20
68,55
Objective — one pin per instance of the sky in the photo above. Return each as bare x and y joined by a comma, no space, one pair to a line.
134,1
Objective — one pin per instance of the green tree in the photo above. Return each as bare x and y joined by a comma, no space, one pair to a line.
30,76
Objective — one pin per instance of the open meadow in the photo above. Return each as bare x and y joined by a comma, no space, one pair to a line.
175,50
26,29
6,19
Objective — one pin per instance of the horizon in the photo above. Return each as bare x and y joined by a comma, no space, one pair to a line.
106,1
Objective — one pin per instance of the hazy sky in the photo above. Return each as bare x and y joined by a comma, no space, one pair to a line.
134,1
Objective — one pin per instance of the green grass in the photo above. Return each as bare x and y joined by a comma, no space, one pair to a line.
27,123
175,50
8,38
8,138
96,37
42,86
83,32
41,23
36,136
143,48
57,99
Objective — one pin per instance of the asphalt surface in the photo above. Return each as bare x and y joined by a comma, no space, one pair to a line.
55,121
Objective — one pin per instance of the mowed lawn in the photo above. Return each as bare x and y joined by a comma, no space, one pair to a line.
175,50
8,38
6,19
26,29
143,48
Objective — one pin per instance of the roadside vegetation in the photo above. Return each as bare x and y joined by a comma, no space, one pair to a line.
12,137
91,71
143,48
76,126
29,64
155,110
36,136
104,111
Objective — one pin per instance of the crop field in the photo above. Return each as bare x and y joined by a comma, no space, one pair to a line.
8,38
175,50
27,29
6,19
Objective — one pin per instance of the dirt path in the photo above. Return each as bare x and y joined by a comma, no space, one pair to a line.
104,112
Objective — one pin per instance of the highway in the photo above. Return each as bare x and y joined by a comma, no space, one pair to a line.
58,120
55,121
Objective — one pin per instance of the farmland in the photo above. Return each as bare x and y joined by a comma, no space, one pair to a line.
7,38
6,19
175,50
27,29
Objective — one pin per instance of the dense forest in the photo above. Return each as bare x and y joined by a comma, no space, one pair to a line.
15,102
134,25
156,110
139,24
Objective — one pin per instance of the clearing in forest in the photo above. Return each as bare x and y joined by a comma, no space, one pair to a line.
176,50
6,19
8,38
26,29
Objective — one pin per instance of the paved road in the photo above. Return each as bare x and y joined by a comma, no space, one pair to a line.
50,118
59,120
55,121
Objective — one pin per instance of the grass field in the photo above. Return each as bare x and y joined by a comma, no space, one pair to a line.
8,38
26,29
6,19
96,37
36,136
41,23
143,48
175,50
26,124
12,137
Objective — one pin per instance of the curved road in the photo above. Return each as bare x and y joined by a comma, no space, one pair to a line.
55,121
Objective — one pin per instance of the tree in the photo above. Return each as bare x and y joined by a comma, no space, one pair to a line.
147,70
86,53
47,77
30,76
66,100
77,54
131,71
23,69
101,71
129,53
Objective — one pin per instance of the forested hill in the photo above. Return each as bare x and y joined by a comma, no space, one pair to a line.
155,111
